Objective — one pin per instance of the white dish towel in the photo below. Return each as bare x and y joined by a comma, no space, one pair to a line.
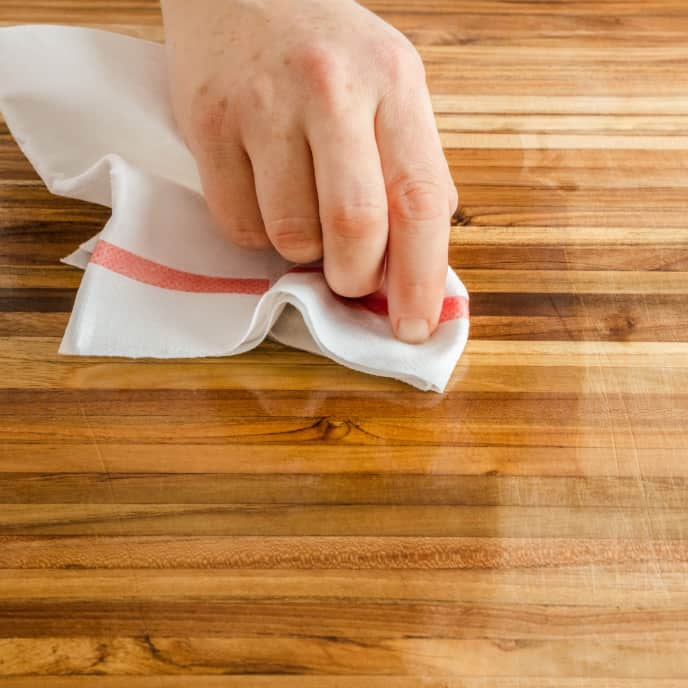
90,110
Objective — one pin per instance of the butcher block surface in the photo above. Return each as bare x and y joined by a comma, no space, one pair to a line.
277,520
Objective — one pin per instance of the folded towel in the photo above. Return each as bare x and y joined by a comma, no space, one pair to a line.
90,110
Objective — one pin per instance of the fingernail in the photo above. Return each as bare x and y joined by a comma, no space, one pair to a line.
413,330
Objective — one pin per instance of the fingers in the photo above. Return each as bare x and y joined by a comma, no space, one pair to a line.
285,188
419,195
352,201
230,192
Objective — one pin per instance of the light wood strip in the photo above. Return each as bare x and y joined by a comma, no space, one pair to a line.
622,586
54,372
607,125
575,281
556,104
191,459
497,235
384,553
527,141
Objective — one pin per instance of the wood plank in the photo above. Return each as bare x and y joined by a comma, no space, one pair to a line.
282,520
358,620
29,499
150,655
321,681
627,586
329,552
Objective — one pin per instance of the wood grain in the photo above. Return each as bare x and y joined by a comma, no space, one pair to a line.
276,520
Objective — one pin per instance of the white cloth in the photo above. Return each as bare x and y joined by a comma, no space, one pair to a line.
90,110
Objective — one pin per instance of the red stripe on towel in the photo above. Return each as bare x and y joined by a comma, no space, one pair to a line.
453,307
141,269
147,271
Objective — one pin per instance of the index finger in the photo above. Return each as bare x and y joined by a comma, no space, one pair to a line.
418,194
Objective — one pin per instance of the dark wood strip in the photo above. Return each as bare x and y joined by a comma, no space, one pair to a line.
203,520
524,316
363,619
37,300
598,410
403,489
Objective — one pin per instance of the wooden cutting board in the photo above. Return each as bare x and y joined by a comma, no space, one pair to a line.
277,520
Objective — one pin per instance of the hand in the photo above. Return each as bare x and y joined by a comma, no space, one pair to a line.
313,131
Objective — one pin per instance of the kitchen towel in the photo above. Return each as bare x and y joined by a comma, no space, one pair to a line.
90,110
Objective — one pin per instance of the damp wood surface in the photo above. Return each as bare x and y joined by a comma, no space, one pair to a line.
276,520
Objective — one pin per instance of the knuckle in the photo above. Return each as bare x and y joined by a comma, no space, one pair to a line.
417,198
258,94
244,234
352,222
399,60
213,118
297,239
207,117
320,68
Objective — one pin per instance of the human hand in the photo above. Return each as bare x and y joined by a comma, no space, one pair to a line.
313,131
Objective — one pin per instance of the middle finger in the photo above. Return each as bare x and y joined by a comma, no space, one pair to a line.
353,204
